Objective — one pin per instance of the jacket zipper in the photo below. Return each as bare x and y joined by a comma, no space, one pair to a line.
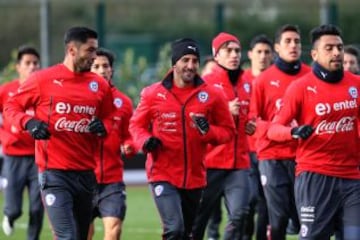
184,142
237,127
101,161
183,106
47,141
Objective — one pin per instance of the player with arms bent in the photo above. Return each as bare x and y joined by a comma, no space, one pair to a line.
325,103
70,104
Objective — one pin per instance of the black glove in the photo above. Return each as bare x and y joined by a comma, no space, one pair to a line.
202,124
96,126
303,131
151,144
38,129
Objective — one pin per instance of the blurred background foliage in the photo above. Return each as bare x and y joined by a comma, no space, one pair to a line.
139,31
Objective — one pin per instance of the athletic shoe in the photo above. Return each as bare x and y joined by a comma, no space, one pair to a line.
7,226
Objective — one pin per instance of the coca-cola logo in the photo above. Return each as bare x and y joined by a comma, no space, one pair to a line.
78,126
345,124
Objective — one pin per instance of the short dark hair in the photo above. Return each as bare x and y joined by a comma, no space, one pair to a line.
325,29
23,50
79,34
207,59
106,53
286,28
350,49
262,38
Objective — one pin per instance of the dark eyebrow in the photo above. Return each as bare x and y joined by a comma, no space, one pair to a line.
333,45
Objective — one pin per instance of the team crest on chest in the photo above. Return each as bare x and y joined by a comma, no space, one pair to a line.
246,87
94,86
353,92
203,96
118,102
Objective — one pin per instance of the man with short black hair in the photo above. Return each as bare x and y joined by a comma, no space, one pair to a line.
19,168
277,159
71,107
351,59
325,103
110,198
261,56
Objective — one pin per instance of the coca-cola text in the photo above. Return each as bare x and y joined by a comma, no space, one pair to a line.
78,126
345,124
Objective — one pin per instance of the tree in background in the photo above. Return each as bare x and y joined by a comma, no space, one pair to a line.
135,73
9,71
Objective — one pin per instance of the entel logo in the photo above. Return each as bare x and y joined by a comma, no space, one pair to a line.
63,108
322,109
325,108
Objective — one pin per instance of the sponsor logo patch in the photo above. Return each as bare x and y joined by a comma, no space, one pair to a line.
275,83
263,179
118,102
50,199
353,92
158,190
304,230
246,87
203,96
94,86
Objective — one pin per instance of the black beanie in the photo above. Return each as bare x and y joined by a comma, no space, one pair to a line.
182,47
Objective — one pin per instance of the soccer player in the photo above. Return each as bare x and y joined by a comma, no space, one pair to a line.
261,56
19,168
325,103
216,216
71,106
173,123
209,63
276,159
228,164
351,59
110,199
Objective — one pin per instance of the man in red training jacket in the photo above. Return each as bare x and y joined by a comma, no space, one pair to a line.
277,159
110,199
173,123
325,103
71,105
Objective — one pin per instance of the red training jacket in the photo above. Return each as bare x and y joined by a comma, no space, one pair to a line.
15,141
266,99
248,76
333,110
180,161
67,102
234,154
109,165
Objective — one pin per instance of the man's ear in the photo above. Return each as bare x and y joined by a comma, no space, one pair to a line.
276,47
314,54
249,54
71,48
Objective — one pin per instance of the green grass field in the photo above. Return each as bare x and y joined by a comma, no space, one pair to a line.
142,221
